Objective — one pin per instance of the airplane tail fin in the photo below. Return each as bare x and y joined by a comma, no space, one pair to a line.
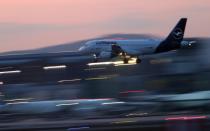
173,41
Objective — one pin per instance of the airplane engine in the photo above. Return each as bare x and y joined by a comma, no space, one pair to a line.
187,44
105,55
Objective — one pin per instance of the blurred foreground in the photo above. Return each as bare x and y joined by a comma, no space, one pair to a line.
169,91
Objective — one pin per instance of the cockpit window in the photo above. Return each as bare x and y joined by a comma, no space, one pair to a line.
90,43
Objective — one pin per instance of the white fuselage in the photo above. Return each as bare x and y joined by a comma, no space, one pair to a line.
131,47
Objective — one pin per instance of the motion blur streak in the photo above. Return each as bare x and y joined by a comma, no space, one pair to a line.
10,72
100,63
125,64
94,69
61,81
137,114
123,122
133,91
103,77
78,128
115,63
111,103
97,78
14,103
54,67
68,104
161,61
23,99
131,62
97,99
187,118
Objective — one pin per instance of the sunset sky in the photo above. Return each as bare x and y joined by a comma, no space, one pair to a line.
28,24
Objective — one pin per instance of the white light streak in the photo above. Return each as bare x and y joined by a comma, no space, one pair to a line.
97,78
100,63
61,81
23,99
132,61
14,103
125,64
10,72
67,104
111,103
54,67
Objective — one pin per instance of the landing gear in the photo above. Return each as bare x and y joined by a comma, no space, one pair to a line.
125,60
138,60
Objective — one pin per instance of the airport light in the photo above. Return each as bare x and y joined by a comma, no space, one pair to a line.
54,67
10,72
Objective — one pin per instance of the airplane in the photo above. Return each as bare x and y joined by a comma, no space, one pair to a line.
128,49
100,49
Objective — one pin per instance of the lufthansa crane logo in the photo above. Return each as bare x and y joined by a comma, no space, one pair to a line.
178,33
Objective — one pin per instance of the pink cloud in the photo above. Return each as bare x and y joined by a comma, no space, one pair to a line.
88,11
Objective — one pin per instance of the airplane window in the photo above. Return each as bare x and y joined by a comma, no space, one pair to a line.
106,43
